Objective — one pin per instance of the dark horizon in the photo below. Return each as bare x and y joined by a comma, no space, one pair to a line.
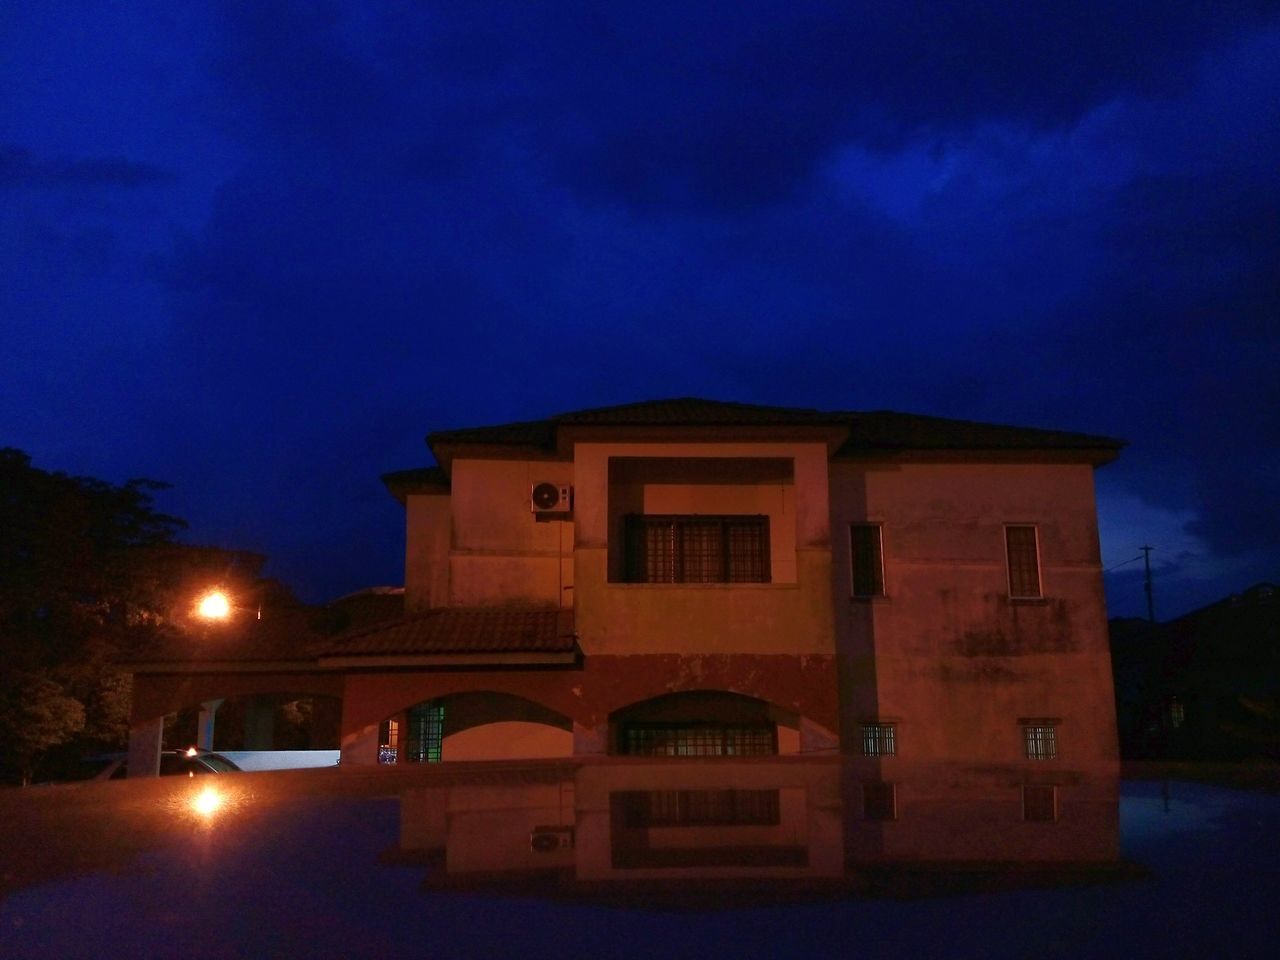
259,252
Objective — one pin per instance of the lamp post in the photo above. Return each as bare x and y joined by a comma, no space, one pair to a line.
212,606
218,606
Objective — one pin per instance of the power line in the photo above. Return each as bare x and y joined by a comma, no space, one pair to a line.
1125,563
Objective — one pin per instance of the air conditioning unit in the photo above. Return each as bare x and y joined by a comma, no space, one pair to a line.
550,839
551,498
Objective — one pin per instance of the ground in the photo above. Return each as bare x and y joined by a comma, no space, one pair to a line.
120,870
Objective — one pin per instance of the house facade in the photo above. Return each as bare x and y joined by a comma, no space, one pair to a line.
921,597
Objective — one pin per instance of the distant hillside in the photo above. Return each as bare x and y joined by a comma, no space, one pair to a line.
1203,686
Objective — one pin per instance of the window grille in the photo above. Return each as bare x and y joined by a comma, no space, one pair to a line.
868,560
1039,802
697,740
879,739
389,742
880,801
1024,562
699,808
697,549
1040,740
424,737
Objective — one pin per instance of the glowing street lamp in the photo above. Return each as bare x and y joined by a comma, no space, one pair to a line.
214,605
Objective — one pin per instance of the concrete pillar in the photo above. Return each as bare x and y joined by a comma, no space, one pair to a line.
326,723
360,747
259,723
590,740
204,726
145,739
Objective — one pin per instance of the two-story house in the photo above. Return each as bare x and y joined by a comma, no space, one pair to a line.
921,596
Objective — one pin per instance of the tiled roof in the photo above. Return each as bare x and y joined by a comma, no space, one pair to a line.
692,410
886,430
462,630
418,480
878,430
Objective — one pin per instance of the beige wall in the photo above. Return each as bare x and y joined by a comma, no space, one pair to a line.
507,740
489,549
428,531
946,653
786,616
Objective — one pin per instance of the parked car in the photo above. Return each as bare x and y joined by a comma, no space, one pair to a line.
173,763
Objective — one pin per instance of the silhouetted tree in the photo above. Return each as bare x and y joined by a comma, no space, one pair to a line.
89,571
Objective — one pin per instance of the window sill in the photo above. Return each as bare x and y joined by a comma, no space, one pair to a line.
1028,601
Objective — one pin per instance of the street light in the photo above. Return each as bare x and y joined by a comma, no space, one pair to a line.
214,605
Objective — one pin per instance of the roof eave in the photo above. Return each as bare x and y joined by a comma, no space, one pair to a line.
1096,456
463,661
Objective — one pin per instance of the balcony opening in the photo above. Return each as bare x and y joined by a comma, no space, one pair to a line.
701,520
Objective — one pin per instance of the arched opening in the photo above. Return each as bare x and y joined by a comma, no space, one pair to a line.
284,721
703,723
474,726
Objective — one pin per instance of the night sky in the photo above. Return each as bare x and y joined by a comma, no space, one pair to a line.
259,250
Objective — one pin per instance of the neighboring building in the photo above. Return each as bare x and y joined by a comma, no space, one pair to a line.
1205,686
694,578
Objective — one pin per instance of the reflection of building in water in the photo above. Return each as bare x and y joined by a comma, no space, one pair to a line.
783,818
689,579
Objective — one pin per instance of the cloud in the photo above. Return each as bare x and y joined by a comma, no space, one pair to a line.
684,107
19,168
390,221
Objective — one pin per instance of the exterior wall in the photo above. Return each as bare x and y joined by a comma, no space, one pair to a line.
507,740
802,686
500,554
946,654
428,534
792,618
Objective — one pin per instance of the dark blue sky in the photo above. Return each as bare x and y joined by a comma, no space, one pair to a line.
258,250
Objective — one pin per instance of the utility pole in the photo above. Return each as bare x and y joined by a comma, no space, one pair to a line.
1146,562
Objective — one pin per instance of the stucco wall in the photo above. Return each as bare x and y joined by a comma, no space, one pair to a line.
946,653
790,617
500,552
428,534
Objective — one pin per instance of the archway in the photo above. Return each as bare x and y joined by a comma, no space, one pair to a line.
703,723
480,725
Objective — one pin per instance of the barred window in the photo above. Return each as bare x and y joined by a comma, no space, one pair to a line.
868,560
697,549
879,739
1024,562
389,742
880,801
697,740
424,737
1039,802
1040,739
700,808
